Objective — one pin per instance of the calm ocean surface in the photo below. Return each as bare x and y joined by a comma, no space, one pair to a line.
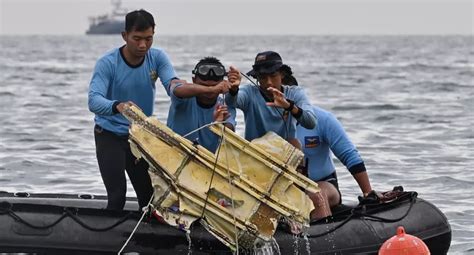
406,102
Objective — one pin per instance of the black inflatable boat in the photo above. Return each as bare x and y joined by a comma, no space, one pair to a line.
77,224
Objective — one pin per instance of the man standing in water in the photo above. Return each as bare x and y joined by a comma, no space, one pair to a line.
122,77
193,105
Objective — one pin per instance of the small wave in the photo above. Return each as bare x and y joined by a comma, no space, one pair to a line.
34,105
22,77
466,72
28,140
60,70
384,118
6,93
407,65
49,66
27,162
391,77
434,121
449,181
50,95
59,181
60,84
45,148
366,107
445,86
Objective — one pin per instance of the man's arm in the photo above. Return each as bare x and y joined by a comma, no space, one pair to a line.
165,69
98,88
362,179
346,152
183,89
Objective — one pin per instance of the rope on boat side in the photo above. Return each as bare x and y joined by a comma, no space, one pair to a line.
145,210
6,208
355,212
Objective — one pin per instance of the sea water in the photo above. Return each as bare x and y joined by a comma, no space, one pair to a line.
406,101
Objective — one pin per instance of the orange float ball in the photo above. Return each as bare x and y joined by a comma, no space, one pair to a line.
404,244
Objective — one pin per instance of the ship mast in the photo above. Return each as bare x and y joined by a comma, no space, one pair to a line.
116,3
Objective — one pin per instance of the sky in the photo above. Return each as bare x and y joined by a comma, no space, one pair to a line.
249,17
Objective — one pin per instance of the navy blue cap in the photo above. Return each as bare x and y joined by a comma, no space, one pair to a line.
266,62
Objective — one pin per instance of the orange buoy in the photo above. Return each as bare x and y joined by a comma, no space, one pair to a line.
404,244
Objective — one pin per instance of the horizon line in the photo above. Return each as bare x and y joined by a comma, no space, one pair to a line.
261,35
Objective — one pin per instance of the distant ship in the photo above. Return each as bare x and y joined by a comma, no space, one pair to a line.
112,23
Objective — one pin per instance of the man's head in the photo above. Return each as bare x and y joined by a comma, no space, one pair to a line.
209,71
139,20
139,30
266,69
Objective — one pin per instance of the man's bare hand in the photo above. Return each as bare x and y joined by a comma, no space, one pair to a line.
221,113
222,87
279,99
234,78
125,105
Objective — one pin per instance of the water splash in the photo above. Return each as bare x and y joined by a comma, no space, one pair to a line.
188,237
296,244
267,248
275,246
308,245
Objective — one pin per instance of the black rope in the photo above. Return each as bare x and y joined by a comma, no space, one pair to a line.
66,213
355,213
334,228
31,225
80,222
412,201
212,176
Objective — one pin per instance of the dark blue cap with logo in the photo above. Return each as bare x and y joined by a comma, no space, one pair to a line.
266,62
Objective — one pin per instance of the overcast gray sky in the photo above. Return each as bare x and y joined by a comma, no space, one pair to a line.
302,17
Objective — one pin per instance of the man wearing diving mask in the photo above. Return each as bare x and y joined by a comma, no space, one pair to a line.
196,104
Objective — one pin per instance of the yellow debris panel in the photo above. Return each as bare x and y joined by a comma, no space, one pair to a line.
241,191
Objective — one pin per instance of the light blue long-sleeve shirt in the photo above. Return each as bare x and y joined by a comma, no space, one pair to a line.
317,143
186,115
260,118
115,80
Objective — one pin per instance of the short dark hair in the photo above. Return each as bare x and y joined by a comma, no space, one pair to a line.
208,60
139,20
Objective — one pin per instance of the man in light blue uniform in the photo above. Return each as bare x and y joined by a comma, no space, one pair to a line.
271,106
122,77
194,105
318,143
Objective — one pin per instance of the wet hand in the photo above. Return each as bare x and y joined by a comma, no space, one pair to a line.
279,99
234,78
221,113
222,87
125,105
374,194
